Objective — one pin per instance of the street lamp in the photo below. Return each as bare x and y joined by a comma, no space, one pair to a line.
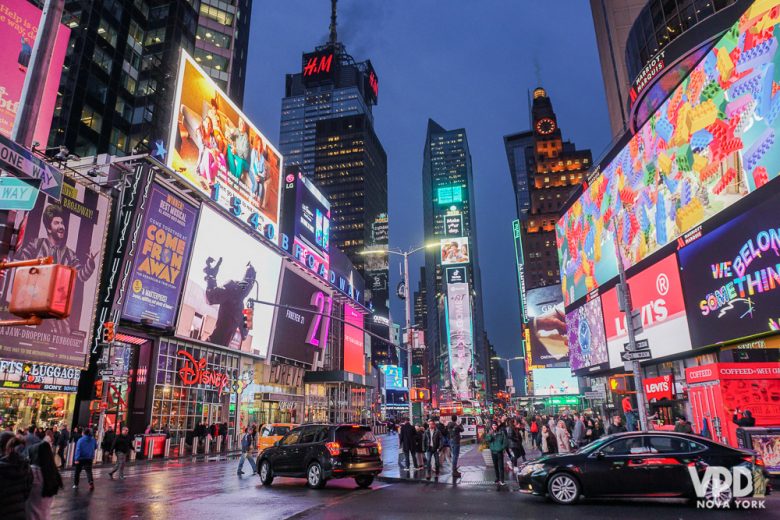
407,308
508,372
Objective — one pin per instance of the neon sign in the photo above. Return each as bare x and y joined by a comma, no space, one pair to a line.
195,373
317,64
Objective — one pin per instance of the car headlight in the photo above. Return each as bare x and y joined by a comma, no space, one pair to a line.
531,468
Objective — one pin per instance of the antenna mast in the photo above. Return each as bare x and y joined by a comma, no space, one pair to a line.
333,37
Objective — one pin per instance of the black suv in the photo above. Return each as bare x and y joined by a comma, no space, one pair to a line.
319,452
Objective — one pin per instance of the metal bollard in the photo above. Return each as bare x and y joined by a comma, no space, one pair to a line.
182,447
195,445
69,452
167,449
150,455
207,447
219,444
133,454
230,443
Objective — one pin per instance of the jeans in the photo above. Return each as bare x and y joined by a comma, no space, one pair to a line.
413,458
498,465
86,465
246,456
121,458
61,453
431,455
455,455
630,421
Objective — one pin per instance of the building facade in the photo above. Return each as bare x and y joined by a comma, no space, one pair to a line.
457,355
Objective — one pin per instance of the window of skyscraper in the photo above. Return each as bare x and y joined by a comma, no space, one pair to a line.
215,38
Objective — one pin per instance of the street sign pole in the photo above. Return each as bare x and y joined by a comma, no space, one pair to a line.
627,309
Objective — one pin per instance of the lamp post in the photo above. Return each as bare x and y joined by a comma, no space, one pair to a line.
407,307
508,372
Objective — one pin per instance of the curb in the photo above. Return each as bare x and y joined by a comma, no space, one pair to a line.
200,457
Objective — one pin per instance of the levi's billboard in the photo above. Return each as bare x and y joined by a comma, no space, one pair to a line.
658,388
657,293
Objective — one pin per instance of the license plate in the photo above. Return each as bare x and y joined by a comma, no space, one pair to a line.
363,451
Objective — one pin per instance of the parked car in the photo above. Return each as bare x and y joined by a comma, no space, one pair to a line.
320,452
636,464
272,432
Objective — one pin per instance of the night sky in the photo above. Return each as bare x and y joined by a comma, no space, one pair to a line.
465,64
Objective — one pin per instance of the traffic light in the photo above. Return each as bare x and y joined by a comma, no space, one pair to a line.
419,395
108,332
248,315
619,384
45,291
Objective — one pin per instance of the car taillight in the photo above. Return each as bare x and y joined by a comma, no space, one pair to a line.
334,448
757,460
379,446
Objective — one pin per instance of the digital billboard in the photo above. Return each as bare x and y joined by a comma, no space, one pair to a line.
19,20
547,325
302,320
453,225
587,340
215,148
354,348
460,334
455,251
394,377
731,275
345,278
305,223
708,145
227,267
161,259
554,381
73,233
657,294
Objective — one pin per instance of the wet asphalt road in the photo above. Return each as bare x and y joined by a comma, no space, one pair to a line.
211,490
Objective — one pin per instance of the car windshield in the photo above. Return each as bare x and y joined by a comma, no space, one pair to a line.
595,445
351,436
281,430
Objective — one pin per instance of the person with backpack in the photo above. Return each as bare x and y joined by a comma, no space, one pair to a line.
454,431
536,439
248,442
85,454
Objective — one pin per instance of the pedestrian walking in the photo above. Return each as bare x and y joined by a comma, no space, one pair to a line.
85,454
563,438
107,443
454,432
121,446
578,433
31,439
497,443
431,445
16,478
248,443
47,482
445,439
406,442
536,430
419,453
590,431
549,442
514,438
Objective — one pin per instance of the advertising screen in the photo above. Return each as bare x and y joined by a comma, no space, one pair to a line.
354,357
547,325
587,340
227,267
394,377
73,233
554,381
460,336
302,322
455,251
344,277
161,259
215,148
657,293
19,20
731,277
305,223
712,142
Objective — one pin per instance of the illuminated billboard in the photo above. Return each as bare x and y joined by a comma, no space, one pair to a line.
708,145
460,334
455,251
554,381
305,223
449,194
73,233
19,20
354,348
161,259
657,294
215,148
302,320
394,377
731,274
547,326
587,340
227,267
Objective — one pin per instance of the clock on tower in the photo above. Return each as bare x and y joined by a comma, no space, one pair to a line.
545,126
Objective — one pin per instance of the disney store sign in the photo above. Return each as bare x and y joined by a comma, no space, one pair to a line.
194,373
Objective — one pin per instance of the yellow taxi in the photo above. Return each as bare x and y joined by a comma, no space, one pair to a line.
272,432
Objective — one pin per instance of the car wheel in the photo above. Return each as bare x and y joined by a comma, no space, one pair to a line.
364,481
314,477
563,489
266,474
722,498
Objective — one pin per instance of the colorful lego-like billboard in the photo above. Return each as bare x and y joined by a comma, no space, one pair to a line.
19,20
710,144
217,149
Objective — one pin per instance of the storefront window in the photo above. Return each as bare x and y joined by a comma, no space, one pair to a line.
20,409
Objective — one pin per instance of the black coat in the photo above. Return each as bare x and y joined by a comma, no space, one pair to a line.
16,481
108,440
406,437
744,421
418,441
122,444
432,440
513,438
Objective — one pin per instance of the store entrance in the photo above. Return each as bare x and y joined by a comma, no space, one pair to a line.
20,409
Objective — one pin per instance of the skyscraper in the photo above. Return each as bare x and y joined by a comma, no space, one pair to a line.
457,354
327,133
120,72
549,168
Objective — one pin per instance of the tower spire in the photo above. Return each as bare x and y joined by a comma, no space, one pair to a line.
333,37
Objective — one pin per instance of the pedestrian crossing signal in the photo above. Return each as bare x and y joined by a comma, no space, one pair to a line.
419,395
248,315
